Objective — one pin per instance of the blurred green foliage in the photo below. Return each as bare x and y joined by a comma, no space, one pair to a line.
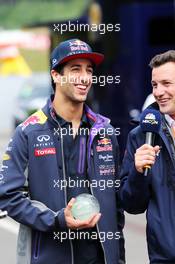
21,13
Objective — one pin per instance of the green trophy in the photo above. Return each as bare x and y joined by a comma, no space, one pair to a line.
85,206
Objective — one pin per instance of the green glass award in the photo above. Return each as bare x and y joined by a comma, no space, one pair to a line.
85,206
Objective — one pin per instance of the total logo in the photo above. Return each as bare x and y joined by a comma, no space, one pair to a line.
45,152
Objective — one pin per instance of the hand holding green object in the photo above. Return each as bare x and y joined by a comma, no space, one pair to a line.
85,206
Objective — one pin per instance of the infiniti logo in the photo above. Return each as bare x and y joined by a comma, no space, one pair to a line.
42,138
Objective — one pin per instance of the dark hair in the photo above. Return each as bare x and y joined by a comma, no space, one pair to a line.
160,59
60,70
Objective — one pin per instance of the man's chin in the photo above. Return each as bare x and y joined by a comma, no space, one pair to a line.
165,110
80,100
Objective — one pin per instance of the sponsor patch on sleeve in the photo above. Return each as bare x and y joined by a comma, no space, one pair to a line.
37,118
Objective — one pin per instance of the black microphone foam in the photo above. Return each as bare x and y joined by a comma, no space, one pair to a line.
150,122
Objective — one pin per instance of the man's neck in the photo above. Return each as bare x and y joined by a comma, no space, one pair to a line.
69,111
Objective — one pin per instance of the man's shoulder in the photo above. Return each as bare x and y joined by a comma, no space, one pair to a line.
136,131
136,136
34,122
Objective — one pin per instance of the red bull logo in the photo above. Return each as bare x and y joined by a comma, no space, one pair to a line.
78,45
104,141
37,118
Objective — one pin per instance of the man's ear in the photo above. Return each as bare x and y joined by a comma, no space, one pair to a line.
55,76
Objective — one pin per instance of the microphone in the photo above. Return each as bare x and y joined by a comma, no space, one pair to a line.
150,122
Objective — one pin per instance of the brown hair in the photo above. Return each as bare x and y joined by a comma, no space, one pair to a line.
160,59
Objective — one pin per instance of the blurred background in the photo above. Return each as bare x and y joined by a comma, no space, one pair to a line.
28,33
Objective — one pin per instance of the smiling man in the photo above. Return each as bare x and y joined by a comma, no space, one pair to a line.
155,193
163,83
61,145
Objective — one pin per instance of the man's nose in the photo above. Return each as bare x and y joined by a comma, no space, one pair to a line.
159,91
85,77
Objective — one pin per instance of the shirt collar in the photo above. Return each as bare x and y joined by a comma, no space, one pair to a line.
62,121
84,119
169,120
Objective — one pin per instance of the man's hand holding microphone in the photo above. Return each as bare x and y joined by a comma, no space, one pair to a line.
145,156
